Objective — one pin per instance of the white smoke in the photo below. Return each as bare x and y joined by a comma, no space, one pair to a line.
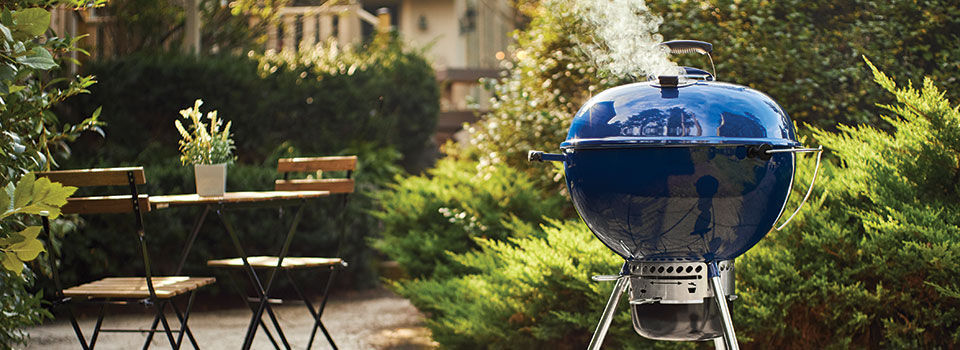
625,38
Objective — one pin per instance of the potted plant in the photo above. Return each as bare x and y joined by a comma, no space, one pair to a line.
208,147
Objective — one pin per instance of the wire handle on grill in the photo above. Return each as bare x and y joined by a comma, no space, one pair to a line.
816,170
688,46
692,46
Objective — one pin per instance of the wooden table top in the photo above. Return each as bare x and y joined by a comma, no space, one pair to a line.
160,202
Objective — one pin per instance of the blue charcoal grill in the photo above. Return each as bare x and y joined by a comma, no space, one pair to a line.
679,175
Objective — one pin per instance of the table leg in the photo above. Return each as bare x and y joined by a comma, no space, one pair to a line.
258,286
193,237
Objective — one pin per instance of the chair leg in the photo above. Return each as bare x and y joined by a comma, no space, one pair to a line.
313,312
153,329
96,328
161,306
76,327
243,297
276,325
184,328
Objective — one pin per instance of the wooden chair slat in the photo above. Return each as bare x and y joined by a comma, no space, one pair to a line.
330,185
95,177
136,287
104,204
265,262
286,165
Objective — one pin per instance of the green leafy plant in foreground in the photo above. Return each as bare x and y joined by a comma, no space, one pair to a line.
200,145
30,196
31,138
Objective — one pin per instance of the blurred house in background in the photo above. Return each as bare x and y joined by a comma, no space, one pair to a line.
464,39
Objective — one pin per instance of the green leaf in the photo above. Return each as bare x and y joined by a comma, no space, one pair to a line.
10,190
39,58
7,35
6,17
10,262
7,72
33,21
4,202
30,247
22,194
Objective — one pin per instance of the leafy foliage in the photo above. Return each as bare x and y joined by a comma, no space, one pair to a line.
872,262
200,145
425,217
20,308
29,196
532,291
805,54
152,26
544,86
30,136
318,108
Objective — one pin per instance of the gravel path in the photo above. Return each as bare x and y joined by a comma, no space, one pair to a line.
374,319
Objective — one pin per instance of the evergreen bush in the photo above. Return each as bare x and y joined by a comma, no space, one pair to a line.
427,217
319,102
532,291
872,262
806,54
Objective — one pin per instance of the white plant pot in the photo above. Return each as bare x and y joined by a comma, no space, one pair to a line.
211,179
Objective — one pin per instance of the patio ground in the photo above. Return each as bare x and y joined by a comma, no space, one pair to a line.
372,319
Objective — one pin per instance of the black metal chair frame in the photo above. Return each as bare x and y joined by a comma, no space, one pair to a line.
159,305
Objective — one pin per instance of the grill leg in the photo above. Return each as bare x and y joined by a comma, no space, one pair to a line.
718,344
728,335
608,313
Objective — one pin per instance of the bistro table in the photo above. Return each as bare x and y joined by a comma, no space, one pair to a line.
231,200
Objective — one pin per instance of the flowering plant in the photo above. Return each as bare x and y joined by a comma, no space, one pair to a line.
201,144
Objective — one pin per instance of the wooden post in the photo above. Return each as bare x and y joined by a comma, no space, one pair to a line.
289,32
326,26
191,38
348,27
309,30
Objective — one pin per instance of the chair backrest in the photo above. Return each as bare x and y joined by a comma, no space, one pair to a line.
317,165
130,176
133,202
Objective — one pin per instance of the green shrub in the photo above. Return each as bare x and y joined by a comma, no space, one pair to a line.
872,262
325,102
806,54
532,291
425,217
544,86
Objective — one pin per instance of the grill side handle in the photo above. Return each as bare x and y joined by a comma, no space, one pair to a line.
539,156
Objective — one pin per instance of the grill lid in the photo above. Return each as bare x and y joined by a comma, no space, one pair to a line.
679,112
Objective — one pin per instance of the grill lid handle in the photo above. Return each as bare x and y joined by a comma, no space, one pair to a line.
688,46
692,46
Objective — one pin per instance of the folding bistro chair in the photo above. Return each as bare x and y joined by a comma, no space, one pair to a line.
150,291
342,186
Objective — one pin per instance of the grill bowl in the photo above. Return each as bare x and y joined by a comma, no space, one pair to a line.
678,203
